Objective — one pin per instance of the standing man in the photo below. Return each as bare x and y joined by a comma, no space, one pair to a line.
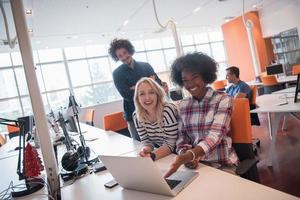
127,75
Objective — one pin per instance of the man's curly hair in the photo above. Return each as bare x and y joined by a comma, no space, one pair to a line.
120,43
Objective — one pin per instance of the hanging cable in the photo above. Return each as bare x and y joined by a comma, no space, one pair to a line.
173,28
11,42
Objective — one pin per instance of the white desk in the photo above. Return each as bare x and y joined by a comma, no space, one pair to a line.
280,80
7,150
267,104
211,183
287,90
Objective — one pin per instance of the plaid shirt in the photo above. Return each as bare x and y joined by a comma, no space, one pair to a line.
206,123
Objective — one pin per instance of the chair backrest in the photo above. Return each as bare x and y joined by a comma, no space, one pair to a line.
240,125
12,131
2,140
225,82
114,122
269,80
218,85
296,69
89,117
254,94
263,74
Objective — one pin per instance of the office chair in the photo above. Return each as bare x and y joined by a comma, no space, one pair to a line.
270,84
263,74
218,85
296,69
240,133
2,140
12,131
116,122
89,117
254,117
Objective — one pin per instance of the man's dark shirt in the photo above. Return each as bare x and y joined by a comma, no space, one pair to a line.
126,77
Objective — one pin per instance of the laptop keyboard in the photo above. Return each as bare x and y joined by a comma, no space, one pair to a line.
172,183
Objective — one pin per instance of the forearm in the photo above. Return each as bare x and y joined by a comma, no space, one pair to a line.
162,151
189,156
240,95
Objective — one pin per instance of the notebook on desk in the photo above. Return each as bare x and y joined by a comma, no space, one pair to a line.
138,173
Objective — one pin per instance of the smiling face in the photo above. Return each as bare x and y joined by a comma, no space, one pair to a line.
124,56
193,83
147,97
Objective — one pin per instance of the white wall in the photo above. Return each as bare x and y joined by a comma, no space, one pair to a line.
279,15
101,110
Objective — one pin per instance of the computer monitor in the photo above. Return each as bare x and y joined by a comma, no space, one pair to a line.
70,122
176,94
297,89
28,122
274,69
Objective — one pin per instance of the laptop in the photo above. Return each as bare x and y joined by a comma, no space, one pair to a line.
141,174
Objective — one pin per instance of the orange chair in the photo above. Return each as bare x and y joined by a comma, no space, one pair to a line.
270,84
218,85
12,131
263,74
116,122
2,140
240,126
254,94
89,117
241,135
296,69
254,116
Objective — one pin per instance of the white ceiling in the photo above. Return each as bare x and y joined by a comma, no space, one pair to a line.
54,22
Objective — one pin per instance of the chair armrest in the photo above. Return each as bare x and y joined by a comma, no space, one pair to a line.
245,165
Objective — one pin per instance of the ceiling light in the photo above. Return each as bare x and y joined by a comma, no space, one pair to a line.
38,42
72,37
196,9
125,22
227,19
28,11
254,6
30,30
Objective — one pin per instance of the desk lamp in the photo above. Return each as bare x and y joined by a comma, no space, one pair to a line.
29,164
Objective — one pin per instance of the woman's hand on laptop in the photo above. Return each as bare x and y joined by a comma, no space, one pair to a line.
179,160
193,164
145,152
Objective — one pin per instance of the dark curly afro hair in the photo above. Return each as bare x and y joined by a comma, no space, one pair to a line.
198,63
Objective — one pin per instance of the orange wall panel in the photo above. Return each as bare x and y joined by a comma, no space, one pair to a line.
238,49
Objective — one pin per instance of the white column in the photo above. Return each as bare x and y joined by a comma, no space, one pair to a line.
177,40
249,26
36,98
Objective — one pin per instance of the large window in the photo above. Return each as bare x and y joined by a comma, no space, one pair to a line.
87,71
